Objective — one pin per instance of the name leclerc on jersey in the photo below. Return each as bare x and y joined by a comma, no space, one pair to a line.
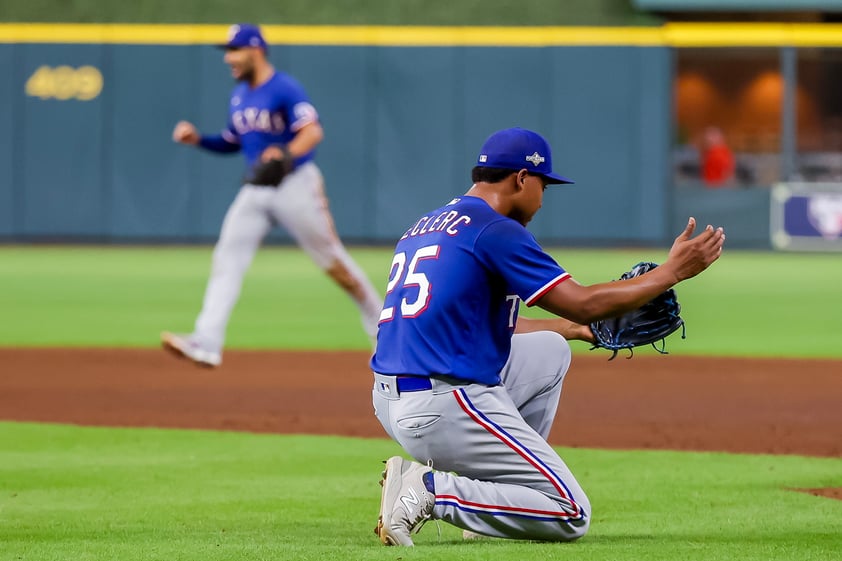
445,222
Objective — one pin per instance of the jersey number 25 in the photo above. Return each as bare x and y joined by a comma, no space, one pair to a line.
412,278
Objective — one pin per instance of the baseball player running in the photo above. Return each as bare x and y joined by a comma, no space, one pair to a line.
469,389
273,123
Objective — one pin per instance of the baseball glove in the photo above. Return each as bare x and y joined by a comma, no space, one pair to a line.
273,171
645,325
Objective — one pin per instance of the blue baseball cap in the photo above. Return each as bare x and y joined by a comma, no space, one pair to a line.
244,35
518,149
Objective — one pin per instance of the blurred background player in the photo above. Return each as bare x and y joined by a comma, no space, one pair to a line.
270,117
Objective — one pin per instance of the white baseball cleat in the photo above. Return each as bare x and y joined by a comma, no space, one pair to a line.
406,503
186,346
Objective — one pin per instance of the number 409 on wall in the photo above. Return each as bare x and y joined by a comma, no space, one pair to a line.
65,82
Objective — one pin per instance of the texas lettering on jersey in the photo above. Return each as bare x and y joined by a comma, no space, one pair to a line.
256,119
455,283
271,113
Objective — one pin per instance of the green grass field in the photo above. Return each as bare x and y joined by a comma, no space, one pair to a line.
747,304
130,494
122,494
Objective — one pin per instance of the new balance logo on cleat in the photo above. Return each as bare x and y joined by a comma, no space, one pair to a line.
410,500
405,502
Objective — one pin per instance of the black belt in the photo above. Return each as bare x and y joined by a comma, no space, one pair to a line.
413,383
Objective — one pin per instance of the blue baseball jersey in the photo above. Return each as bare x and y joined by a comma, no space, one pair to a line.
269,114
455,284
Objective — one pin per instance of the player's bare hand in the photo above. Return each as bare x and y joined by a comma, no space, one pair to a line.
185,133
272,153
690,255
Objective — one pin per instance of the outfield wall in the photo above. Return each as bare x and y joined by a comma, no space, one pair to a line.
405,109
403,125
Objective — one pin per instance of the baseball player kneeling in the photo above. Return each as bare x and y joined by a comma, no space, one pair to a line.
469,389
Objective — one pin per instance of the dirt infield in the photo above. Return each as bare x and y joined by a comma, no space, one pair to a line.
664,402
678,403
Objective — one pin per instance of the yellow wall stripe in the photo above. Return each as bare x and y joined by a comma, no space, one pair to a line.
333,35
752,35
671,34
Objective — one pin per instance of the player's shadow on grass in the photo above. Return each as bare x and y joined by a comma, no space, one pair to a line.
450,541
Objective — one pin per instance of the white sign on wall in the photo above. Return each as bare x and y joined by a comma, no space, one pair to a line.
806,216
